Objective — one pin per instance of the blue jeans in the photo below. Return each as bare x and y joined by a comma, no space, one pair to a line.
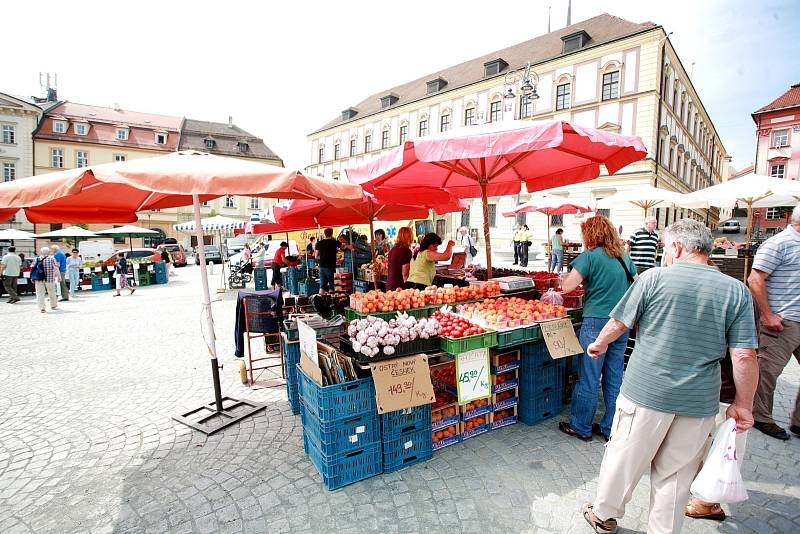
557,261
325,278
610,366
74,277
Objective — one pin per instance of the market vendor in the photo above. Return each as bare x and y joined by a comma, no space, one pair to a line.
381,243
399,260
423,266
281,260
326,256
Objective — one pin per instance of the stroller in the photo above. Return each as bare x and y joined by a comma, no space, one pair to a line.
240,275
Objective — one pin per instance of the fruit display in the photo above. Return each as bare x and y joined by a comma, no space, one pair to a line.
371,335
449,295
443,434
505,395
474,405
471,424
379,301
445,374
544,280
573,299
504,381
510,312
455,326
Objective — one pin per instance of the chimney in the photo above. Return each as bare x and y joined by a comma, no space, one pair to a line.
230,121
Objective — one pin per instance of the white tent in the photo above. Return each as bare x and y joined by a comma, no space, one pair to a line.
213,224
643,196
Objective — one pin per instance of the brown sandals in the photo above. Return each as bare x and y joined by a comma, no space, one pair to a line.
609,526
699,510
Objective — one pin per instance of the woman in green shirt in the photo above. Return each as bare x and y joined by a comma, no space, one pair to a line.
557,251
423,266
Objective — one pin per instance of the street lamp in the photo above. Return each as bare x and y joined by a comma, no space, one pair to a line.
526,78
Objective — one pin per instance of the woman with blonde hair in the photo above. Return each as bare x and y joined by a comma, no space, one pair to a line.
399,262
606,273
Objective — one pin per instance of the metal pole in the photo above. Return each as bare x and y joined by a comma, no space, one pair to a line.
211,342
747,247
372,246
485,200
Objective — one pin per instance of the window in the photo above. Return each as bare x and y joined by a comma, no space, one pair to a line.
780,138
493,215
423,128
444,123
403,133
120,157
525,107
469,116
465,218
674,97
230,202
59,127
210,144
664,87
611,85
556,220
563,93
778,171
385,139
255,203
161,138
9,135
122,134
353,148
81,128
205,203
671,157
57,158
773,213
604,213
321,155
522,218
337,150
496,111
686,169
368,143
683,107
9,172
81,158
57,227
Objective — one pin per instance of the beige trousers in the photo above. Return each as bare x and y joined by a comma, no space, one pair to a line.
775,349
49,289
671,446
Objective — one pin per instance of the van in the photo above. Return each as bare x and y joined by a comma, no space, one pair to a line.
95,249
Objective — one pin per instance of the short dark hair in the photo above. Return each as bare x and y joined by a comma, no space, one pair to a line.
284,244
74,250
428,241
380,232
312,238
120,254
12,249
560,231
329,232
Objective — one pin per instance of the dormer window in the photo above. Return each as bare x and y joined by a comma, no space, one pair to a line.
122,134
494,67
161,138
574,41
60,127
389,100
210,143
436,85
349,113
81,128
243,146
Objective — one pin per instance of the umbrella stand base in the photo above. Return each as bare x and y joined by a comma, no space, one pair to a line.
211,421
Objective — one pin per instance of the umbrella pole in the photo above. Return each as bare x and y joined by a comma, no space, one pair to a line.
747,245
485,200
372,246
549,242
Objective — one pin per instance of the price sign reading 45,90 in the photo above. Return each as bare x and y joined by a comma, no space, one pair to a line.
472,372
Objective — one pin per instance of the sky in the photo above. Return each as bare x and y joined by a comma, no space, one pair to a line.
283,69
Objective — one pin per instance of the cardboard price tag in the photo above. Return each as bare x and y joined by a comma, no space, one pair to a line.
402,383
559,335
309,353
106,281
87,270
472,375
111,268
26,274
98,269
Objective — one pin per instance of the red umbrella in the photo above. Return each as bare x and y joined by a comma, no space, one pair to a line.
115,192
548,205
493,160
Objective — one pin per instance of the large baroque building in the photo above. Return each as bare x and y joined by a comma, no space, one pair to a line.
605,72
778,148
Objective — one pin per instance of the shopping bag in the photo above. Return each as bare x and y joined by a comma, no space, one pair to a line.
551,296
720,479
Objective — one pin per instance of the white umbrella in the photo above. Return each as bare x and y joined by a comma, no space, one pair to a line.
70,231
643,196
128,231
215,223
12,234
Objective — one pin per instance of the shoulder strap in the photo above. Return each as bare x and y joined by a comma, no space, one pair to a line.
628,274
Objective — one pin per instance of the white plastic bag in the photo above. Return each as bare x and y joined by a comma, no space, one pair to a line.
551,296
720,479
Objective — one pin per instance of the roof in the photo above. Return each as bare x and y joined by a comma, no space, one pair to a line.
227,137
17,100
72,110
747,170
602,29
789,99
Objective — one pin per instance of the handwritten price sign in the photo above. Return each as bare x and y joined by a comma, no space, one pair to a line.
472,375
402,383
559,335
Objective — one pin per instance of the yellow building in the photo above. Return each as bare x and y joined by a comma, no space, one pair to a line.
604,72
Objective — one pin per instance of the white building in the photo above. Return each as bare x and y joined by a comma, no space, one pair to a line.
604,72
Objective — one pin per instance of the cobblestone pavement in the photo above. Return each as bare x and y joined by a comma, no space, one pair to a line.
87,443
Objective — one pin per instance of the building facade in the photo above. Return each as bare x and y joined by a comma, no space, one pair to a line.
605,72
777,149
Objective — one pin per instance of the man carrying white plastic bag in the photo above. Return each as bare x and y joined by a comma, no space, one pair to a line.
720,480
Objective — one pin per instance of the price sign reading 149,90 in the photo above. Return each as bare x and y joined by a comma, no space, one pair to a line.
472,370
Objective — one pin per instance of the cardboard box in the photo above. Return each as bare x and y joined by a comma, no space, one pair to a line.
478,425
505,399
475,409
504,417
445,416
446,436
504,360
505,381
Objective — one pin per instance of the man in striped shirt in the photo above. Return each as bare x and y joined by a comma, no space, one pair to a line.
643,245
775,284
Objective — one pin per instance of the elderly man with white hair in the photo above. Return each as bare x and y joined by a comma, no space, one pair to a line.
688,316
643,245
45,275
775,283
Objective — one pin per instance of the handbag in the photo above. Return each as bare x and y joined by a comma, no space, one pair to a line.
472,250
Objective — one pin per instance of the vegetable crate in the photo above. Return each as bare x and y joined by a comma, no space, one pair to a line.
464,344
341,435
407,449
291,357
504,360
361,286
505,399
510,338
160,278
144,278
308,288
260,278
339,400
476,426
534,409
505,380
419,313
293,334
345,468
539,371
98,285
160,267
477,408
418,346
291,279
504,417
400,422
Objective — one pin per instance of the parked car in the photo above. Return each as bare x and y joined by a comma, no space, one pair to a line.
176,251
731,227
212,255
149,254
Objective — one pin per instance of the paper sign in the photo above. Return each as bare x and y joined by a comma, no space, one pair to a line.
106,281
559,335
402,383
98,269
87,270
309,352
149,267
111,268
26,274
135,266
21,281
472,375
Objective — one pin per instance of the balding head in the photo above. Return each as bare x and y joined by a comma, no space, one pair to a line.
44,251
650,223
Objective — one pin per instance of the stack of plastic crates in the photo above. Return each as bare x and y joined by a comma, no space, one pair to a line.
160,270
541,384
341,430
260,277
308,287
291,357
407,437
291,279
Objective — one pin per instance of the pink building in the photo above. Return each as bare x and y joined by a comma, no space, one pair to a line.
778,147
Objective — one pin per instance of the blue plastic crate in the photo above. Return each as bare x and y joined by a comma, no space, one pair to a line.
308,288
345,468
161,278
291,279
291,350
294,400
400,422
98,285
549,374
533,354
407,449
339,400
537,408
160,267
342,435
